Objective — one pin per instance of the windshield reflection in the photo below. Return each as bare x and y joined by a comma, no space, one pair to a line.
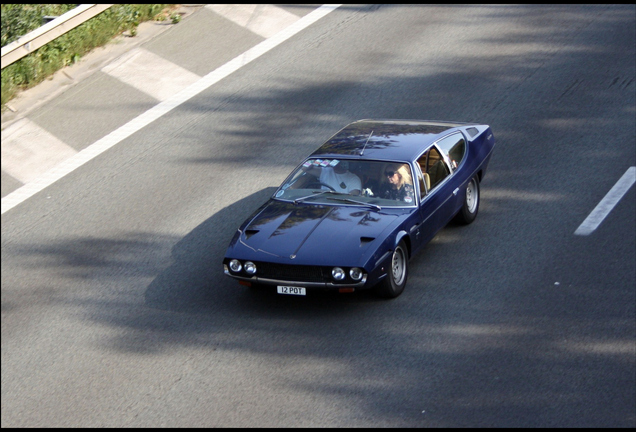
354,182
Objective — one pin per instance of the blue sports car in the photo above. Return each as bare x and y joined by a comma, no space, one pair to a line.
352,214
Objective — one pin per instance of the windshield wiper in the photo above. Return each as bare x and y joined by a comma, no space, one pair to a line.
297,200
349,200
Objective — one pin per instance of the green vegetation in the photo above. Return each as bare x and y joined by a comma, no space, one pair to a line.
19,19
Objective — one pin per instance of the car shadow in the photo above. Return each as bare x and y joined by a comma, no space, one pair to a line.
194,282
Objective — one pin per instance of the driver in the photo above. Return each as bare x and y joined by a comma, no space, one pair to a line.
334,174
340,178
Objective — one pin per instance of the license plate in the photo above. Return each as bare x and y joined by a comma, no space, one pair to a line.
291,290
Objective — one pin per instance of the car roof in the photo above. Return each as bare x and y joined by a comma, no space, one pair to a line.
399,140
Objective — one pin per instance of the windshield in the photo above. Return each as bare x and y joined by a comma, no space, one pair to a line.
354,182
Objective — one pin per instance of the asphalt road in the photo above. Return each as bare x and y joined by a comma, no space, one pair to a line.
115,311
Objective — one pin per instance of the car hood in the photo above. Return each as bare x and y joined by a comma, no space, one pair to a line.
313,234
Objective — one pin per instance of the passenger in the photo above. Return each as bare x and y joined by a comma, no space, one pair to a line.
398,184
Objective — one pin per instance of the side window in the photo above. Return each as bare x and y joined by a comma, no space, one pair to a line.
433,167
453,146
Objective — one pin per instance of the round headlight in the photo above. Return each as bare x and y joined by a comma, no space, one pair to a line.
355,273
338,273
250,268
235,266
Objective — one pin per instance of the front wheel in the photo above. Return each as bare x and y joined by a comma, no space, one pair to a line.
469,209
395,281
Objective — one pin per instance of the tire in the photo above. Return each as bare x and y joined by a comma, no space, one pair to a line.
395,281
469,209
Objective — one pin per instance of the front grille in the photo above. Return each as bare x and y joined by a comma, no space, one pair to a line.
297,273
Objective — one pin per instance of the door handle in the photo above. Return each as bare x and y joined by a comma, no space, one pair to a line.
456,191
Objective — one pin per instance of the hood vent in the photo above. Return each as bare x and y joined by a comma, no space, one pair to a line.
366,240
250,232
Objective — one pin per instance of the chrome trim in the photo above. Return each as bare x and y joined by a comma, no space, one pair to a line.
256,279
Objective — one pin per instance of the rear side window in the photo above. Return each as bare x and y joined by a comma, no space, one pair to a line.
433,167
453,146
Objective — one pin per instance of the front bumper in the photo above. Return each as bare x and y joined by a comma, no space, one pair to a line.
306,284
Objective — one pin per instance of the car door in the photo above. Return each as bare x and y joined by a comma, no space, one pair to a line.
437,196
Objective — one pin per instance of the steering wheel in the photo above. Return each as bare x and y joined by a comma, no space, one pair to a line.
318,184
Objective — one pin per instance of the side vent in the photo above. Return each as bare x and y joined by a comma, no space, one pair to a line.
366,240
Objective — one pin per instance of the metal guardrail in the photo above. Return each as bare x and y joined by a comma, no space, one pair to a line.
41,36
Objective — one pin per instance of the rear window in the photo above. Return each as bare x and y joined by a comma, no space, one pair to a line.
453,147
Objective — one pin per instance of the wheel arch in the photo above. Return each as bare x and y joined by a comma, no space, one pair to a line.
403,235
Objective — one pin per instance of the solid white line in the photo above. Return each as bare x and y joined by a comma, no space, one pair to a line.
25,192
607,203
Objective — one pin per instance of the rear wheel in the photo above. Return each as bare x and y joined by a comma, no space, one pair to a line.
395,281
469,209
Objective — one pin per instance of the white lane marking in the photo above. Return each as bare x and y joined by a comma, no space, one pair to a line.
23,193
151,74
28,150
607,203
263,19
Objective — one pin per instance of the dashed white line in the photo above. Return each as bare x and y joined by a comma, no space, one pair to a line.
23,193
607,203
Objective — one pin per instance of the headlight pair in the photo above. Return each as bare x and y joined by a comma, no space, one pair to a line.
339,274
236,266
